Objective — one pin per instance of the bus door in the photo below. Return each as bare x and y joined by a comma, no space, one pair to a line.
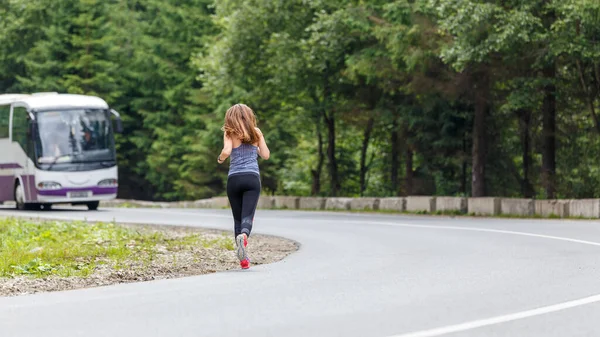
23,151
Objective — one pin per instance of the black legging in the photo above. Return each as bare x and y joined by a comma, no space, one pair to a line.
243,191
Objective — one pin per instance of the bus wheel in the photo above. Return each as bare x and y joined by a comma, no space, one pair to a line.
20,197
47,207
92,206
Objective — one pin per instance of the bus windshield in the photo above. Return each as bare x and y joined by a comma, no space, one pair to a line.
74,136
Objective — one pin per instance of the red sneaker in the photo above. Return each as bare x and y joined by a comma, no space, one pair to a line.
245,264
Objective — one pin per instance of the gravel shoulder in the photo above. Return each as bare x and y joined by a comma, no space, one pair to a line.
181,252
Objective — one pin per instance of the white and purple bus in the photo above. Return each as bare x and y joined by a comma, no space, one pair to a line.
57,149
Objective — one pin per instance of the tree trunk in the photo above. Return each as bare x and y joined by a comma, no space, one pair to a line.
316,173
409,177
395,158
479,139
409,173
464,178
525,123
316,182
333,168
363,155
549,134
329,118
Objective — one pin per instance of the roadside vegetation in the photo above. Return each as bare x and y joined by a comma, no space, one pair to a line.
356,98
66,249
58,255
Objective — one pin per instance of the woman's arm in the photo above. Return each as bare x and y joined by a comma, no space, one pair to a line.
226,152
263,149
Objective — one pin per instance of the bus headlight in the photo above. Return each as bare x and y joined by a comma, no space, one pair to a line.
48,185
108,183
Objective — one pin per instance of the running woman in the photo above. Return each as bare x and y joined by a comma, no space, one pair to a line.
244,142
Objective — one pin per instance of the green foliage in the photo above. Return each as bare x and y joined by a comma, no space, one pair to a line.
372,98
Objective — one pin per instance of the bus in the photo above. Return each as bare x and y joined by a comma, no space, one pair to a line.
57,149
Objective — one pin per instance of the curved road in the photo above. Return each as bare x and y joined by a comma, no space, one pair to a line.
355,275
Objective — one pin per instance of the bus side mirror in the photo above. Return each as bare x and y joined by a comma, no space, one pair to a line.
119,126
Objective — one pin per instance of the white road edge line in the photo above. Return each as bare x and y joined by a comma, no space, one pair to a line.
501,319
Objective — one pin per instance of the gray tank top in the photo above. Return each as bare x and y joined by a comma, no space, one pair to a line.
244,159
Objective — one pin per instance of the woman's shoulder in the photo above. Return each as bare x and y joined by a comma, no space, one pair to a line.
235,141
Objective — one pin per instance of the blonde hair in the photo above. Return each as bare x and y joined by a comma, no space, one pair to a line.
240,122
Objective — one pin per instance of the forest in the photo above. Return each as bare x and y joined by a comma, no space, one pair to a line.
355,97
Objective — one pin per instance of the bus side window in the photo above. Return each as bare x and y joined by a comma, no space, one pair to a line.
4,120
20,127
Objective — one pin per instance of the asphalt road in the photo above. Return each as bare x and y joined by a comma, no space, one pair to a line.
355,275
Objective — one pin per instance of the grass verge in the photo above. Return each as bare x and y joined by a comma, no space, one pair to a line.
65,249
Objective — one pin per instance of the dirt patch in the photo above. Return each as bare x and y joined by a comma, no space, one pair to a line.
168,262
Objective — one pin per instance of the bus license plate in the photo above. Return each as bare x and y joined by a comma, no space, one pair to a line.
79,194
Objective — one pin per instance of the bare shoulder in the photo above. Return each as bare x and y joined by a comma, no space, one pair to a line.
236,142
